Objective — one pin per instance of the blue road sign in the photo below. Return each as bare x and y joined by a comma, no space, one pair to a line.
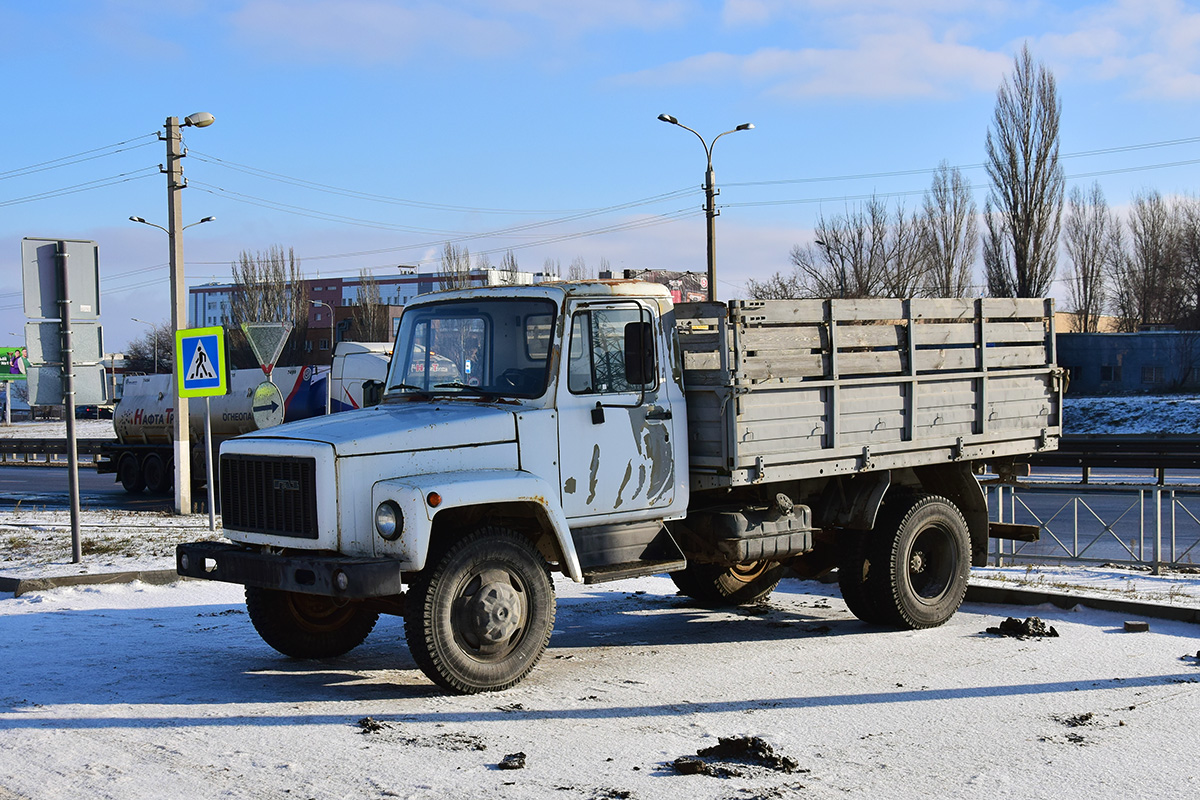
200,356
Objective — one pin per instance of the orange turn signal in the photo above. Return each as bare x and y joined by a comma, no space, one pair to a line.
434,499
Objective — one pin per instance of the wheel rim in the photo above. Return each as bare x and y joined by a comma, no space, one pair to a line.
748,573
490,613
931,563
319,614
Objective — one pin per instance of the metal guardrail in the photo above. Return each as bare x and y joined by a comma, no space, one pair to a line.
1157,527
1158,452
47,451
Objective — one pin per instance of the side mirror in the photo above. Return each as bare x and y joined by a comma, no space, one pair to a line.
639,353
372,393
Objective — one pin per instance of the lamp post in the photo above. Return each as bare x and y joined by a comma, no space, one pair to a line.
710,194
329,377
176,183
154,331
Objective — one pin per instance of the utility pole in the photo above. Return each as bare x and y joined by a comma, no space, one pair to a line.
175,185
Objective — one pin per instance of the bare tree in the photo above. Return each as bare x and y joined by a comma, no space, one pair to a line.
552,267
456,267
1089,240
370,314
152,352
579,270
1025,205
508,268
776,287
865,253
1152,286
949,234
1188,219
268,287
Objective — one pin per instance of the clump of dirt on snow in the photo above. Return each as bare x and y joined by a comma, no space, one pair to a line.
1031,628
731,754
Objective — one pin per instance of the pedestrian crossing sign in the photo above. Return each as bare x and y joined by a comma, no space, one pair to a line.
200,361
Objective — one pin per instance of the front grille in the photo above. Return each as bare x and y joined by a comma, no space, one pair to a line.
269,494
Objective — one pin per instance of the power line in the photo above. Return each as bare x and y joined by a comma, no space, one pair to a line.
77,158
974,187
292,181
99,183
930,170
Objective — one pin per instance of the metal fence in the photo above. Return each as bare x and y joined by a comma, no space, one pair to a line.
1131,525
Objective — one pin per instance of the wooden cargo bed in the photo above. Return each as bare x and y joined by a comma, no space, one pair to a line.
791,389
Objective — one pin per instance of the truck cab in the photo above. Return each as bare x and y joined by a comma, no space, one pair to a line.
546,422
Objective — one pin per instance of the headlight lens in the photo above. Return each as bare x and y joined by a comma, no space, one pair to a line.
389,521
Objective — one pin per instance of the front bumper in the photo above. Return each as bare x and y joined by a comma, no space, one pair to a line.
327,575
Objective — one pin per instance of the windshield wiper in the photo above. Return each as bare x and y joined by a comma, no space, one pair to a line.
460,385
410,387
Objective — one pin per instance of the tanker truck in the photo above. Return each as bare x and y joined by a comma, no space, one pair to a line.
142,457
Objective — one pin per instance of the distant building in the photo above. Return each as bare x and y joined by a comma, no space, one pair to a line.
211,304
1150,362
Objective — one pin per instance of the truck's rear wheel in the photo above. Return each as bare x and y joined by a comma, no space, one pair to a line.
308,625
919,562
156,475
855,565
479,618
129,473
739,585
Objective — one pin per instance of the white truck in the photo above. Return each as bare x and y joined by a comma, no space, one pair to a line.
597,430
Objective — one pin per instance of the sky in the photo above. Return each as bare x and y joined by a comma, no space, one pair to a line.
365,134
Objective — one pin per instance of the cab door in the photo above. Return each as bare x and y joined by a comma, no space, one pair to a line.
616,426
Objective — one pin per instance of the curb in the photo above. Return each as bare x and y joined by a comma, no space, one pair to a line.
1006,596
20,586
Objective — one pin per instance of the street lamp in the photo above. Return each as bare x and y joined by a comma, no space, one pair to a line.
710,193
329,377
176,183
154,331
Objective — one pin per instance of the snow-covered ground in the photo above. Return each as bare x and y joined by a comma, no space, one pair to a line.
148,692
136,691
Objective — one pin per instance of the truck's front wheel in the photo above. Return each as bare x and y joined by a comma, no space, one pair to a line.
479,618
308,625
919,563
739,585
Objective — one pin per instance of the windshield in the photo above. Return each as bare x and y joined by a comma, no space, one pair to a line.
474,347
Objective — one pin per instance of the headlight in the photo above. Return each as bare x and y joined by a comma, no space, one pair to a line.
389,520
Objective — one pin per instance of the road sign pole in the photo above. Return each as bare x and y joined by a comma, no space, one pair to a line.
68,368
208,459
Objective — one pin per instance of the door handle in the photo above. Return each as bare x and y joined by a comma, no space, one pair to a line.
658,413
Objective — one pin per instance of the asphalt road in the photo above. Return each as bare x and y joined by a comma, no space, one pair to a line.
48,486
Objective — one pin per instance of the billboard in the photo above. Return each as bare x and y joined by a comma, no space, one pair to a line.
14,363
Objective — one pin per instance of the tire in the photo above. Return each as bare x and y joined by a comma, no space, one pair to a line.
129,473
854,569
739,585
308,625
479,618
918,563
156,475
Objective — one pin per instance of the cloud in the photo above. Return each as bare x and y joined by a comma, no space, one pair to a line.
390,31
907,62
1151,45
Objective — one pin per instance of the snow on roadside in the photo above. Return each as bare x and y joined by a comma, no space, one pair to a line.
57,429
1131,414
